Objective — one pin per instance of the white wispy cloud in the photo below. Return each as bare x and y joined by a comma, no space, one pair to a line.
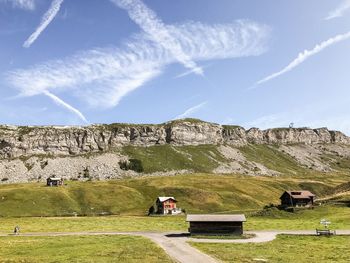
148,21
339,11
190,111
45,21
306,55
64,104
23,4
102,77
188,72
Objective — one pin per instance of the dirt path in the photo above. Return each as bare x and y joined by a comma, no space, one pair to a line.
176,246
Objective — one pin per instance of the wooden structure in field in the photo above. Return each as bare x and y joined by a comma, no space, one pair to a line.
216,224
166,205
297,198
54,181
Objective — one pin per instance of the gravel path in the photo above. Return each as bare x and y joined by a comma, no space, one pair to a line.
176,246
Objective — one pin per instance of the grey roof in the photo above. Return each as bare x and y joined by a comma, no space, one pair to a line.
55,178
215,218
301,194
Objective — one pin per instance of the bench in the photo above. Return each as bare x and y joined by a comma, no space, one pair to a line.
325,232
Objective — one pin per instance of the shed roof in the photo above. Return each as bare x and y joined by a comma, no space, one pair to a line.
299,194
215,218
165,198
55,178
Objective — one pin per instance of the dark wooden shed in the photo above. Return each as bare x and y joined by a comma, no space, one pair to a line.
297,198
54,181
216,224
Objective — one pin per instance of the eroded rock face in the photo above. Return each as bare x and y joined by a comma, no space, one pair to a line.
57,141
187,133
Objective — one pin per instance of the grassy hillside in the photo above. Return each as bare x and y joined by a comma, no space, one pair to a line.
195,193
205,158
161,158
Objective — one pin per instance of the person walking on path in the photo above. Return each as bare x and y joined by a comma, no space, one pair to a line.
16,230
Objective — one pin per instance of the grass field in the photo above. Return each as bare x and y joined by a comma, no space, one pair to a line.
196,193
303,249
80,249
270,220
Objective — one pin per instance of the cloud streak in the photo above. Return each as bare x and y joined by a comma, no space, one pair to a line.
339,11
303,56
45,21
148,21
22,4
102,77
62,103
188,72
191,111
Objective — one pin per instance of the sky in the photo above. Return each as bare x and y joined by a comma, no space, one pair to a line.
254,63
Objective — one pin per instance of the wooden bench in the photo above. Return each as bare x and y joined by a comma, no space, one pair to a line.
325,232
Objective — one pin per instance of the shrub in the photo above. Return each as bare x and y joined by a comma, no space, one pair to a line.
132,164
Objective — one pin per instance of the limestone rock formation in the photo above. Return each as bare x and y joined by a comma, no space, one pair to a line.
29,153
27,141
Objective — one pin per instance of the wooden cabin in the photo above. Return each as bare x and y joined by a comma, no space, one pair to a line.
54,181
297,198
166,205
216,224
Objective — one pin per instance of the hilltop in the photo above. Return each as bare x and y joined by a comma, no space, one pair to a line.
102,152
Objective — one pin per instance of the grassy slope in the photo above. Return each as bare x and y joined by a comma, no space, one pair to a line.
195,193
160,158
283,249
80,249
274,159
205,158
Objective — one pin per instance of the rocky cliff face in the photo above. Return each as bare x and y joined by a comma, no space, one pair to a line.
95,152
26,141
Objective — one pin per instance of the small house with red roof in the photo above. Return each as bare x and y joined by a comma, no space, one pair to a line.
166,205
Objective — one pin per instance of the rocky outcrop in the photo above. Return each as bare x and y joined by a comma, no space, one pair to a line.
57,141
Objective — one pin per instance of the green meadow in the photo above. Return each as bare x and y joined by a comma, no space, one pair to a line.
270,219
80,249
303,249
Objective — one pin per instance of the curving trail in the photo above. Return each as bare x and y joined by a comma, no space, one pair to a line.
175,244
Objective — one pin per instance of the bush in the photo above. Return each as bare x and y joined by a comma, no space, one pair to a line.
132,164
86,173
151,210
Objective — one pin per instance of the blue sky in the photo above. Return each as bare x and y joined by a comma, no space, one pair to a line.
261,63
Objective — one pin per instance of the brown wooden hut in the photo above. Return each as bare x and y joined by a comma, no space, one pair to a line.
297,198
216,224
54,181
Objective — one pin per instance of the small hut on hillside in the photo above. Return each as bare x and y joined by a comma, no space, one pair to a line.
216,224
54,181
297,198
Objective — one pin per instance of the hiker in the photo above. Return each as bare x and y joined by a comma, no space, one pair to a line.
16,230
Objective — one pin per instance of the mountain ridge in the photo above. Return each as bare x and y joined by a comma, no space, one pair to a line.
16,141
103,152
